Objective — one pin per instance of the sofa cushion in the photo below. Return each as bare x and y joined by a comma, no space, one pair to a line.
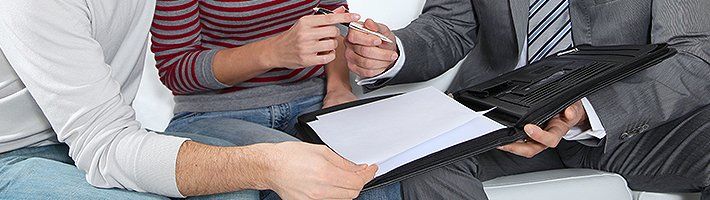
562,184
665,196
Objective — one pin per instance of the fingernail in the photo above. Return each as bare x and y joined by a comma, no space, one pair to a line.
376,42
393,57
355,16
529,129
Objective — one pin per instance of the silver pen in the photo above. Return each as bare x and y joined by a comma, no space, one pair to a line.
356,26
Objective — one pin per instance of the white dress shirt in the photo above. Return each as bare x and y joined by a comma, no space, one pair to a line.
576,133
75,69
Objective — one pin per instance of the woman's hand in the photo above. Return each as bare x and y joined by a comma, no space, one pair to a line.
309,42
337,97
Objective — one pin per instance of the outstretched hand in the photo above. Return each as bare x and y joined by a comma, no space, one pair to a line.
550,137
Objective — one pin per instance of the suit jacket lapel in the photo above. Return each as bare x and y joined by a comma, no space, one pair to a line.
519,10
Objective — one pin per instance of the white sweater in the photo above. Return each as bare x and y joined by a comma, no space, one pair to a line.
81,61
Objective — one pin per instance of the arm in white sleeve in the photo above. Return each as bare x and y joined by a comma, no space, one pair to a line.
391,72
50,46
597,130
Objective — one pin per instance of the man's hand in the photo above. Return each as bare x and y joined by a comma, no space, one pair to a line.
307,171
368,55
557,127
338,97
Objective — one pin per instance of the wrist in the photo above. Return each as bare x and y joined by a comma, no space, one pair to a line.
266,54
262,165
338,87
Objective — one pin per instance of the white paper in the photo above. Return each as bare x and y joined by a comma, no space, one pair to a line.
475,128
382,132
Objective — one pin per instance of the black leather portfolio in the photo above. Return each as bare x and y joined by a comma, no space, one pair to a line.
529,95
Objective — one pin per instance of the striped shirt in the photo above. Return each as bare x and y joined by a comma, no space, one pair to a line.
188,33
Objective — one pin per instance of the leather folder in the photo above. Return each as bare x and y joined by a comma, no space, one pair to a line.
529,95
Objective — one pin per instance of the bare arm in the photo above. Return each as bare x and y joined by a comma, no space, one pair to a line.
337,71
338,89
295,170
202,169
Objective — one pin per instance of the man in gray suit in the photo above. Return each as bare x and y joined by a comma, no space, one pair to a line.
652,128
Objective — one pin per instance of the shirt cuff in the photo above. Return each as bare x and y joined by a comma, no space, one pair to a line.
156,170
391,72
597,130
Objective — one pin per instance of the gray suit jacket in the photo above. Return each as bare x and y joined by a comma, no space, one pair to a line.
492,32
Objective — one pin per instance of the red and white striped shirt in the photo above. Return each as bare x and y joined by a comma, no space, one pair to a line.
186,35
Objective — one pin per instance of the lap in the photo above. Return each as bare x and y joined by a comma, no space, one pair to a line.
24,177
670,158
235,131
462,179
49,172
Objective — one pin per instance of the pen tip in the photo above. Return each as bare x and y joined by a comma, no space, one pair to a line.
315,9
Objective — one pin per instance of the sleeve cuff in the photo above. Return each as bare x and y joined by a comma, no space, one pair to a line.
391,72
156,170
597,130
206,74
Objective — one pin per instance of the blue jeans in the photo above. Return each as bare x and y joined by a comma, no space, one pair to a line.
48,172
271,124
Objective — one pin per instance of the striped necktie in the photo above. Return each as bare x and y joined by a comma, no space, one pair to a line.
549,28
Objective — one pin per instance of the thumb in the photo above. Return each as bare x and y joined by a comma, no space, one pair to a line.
573,114
371,25
341,162
570,113
368,174
340,9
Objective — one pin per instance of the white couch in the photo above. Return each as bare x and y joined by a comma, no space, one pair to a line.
154,109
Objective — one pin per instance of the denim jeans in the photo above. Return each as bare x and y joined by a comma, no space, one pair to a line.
271,124
48,172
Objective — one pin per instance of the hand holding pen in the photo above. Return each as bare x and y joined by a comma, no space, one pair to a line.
371,49
355,25
310,41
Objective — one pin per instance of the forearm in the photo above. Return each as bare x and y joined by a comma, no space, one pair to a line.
235,65
202,169
338,75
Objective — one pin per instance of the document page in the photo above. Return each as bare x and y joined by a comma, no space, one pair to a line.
384,132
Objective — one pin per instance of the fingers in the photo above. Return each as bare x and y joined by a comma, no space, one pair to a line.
371,25
322,32
374,52
340,9
347,179
368,174
575,114
325,46
318,59
550,138
528,149
341,162
342,193
363,66
352,176
364,72
330,19
361,38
